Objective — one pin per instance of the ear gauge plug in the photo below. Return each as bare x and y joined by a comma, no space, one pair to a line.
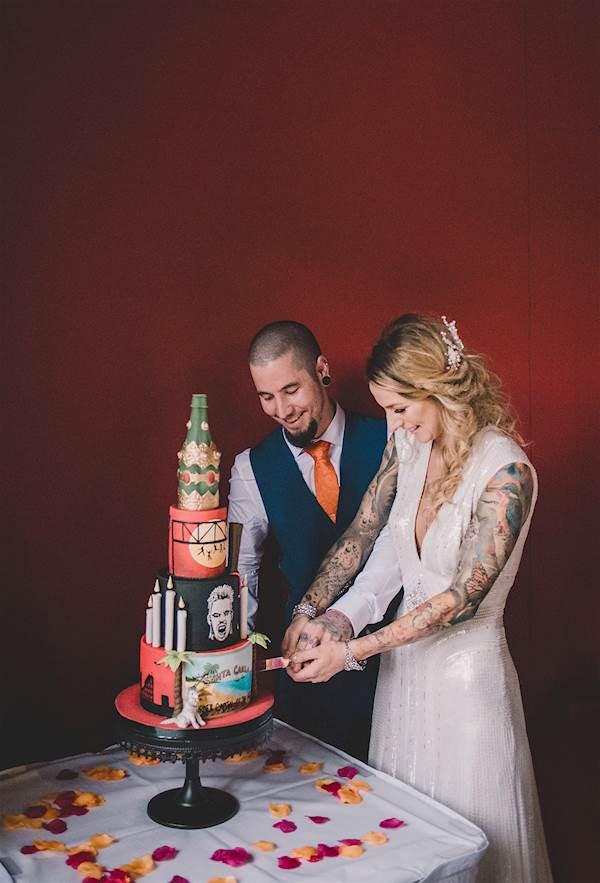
326,380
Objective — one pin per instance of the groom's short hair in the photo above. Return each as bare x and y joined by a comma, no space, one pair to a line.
278,338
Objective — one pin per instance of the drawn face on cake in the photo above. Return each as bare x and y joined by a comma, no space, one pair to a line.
220,613
294,397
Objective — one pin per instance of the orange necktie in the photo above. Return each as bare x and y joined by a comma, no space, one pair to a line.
326,483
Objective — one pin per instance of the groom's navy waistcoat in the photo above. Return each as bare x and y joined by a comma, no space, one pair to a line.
338,711
303,531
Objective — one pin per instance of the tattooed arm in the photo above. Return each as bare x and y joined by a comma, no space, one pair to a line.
494,529
345,559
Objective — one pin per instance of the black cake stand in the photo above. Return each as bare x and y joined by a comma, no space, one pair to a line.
194,805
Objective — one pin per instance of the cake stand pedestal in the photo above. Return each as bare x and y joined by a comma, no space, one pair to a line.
194,805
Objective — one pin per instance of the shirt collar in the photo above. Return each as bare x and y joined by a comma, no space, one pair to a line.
334,434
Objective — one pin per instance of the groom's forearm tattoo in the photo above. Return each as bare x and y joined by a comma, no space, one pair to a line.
349,553
490,538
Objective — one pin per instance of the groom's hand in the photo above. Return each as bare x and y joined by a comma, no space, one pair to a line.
330,626
292,634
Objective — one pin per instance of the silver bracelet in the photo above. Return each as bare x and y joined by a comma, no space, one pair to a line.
352,663
304,609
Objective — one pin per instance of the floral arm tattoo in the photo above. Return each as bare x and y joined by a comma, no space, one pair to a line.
490,538
350,552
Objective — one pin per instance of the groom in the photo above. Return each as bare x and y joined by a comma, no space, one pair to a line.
303,485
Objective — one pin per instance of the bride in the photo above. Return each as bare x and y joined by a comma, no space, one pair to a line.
446,516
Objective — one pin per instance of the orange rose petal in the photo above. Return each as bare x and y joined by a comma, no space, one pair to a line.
140,866
347,794
104,773
359,785
89,869
351,851
280,810
308,768
274,767
376,837
142,760
222,880
49,845
81,847
89,799
99,841
304,852
12,823
243,757
265,845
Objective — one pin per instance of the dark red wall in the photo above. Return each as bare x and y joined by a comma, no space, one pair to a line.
179,174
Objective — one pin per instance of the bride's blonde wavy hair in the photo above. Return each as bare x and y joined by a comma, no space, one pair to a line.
411,359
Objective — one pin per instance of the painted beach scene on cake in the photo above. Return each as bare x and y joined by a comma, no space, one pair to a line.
223,680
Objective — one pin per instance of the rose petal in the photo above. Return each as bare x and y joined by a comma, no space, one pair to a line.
287,863
318,820
305,852
237,857
264,845
56,826
359,785
332,788
391,823
139,866
308,768
351,851
274,767
280,810
164,853
348,794
276,756
49,845
78,857
91,870
65,798
179,879
285,826
326,851
315,858
376,837
29,849
34,812
117,874
351,841
347,772
243,757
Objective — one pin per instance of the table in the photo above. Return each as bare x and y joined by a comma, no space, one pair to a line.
434,844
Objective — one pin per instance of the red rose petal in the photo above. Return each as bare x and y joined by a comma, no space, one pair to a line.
78,857
55,826
332,788
285,826
315,858
287,863
29,849
237,857
327,851
65,798
164,853
318,820
347,772
179,879
34,812
116,875
351,841
391,823
67,774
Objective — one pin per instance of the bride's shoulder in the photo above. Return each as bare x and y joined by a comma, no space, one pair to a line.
497,449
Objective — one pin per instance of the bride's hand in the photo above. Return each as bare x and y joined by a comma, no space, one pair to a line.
318,664
330,626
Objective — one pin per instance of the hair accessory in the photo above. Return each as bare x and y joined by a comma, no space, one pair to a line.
351,662
454,346
304,609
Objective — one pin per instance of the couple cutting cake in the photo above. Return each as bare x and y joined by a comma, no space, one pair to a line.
435,501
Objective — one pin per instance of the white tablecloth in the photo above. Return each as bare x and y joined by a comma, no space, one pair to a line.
435,843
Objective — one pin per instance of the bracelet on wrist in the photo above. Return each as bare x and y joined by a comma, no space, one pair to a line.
352,663
304,609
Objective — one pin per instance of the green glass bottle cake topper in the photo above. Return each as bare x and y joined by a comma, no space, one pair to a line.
198,472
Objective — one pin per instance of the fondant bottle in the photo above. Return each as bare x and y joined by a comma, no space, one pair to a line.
198,472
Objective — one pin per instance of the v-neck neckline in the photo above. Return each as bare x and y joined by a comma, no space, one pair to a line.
424,461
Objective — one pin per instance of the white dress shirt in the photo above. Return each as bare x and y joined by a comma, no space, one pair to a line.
247,508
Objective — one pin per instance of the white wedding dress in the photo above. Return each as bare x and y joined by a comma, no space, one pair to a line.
448,716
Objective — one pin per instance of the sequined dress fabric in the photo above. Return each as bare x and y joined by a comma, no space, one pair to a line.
448,716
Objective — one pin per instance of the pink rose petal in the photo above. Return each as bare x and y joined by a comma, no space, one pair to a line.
327,851
287,862
164,853
78,857
391,823
315,858
29,849
67,774
116,875
332,788
237,857
179,879
351,841
347,772
285,826
55,826
318,820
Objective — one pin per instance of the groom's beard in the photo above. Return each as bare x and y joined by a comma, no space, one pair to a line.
302,439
